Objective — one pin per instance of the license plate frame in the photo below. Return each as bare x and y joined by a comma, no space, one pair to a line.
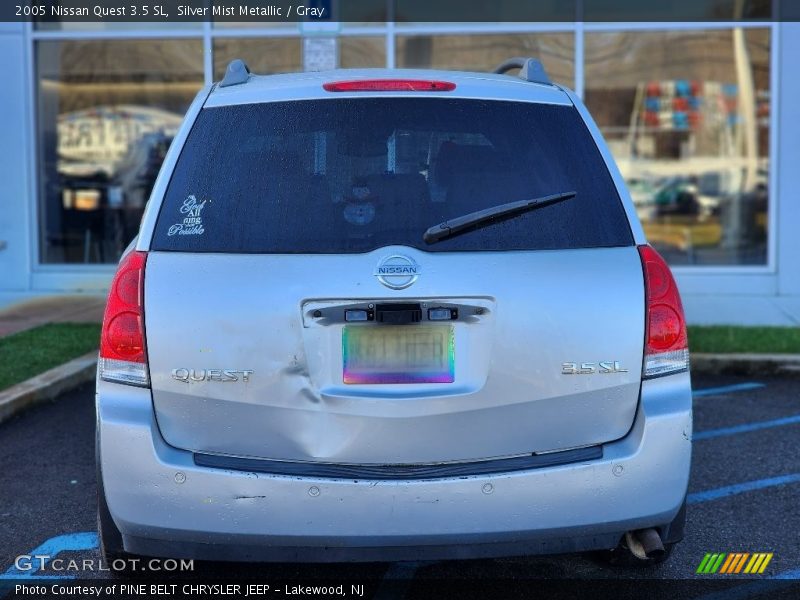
398,354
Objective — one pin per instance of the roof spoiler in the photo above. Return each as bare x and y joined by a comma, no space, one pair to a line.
530,69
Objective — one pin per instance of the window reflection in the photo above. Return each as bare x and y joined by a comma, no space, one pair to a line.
484,52
285,55
355,52
262,55
686,115
108,111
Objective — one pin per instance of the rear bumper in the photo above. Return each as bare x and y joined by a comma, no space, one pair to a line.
164,504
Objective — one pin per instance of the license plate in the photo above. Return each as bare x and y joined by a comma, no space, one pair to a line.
398,354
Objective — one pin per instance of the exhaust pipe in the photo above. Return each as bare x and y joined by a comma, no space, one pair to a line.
645,543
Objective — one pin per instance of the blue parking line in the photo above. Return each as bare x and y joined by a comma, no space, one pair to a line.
739,488
714,433
795,574
86,540
726,389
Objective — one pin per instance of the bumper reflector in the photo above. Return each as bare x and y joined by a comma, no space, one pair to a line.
662,363
123,371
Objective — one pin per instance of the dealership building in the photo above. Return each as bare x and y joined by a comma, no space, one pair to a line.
703,118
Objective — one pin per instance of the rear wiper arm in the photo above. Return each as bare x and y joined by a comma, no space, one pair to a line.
489,216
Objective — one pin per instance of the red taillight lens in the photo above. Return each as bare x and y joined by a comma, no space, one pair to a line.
666,343
390,85
665,328
124,337
123,355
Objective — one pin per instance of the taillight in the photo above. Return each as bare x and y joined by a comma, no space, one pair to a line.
389,85
666,343
123,355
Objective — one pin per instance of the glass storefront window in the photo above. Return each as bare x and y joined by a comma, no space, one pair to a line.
686,114
355,52
107,112
285,55
484,52
262,55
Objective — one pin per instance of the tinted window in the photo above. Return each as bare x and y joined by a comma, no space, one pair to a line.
352,175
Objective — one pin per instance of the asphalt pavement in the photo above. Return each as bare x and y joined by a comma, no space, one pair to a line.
744,496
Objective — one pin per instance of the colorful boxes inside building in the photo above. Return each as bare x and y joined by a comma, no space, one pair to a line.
682,104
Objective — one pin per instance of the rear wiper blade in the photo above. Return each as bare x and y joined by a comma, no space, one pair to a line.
489,216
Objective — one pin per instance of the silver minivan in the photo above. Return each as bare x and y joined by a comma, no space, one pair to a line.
388,315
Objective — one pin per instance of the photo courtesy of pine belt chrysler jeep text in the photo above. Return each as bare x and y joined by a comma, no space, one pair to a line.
391,315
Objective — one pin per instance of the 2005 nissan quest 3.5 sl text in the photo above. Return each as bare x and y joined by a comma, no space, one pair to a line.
388,315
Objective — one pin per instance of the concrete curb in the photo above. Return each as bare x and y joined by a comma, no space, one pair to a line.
47,386
786,365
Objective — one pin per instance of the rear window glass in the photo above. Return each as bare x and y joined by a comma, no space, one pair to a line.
353,175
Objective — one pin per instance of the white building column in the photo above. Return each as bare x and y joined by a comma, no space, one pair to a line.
788,180
16,197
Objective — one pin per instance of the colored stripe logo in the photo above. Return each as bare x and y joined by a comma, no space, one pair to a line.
734,562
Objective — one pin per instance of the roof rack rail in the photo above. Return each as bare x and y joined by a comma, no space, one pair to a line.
530,69
236,73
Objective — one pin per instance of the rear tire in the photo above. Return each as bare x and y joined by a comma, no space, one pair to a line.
109,537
